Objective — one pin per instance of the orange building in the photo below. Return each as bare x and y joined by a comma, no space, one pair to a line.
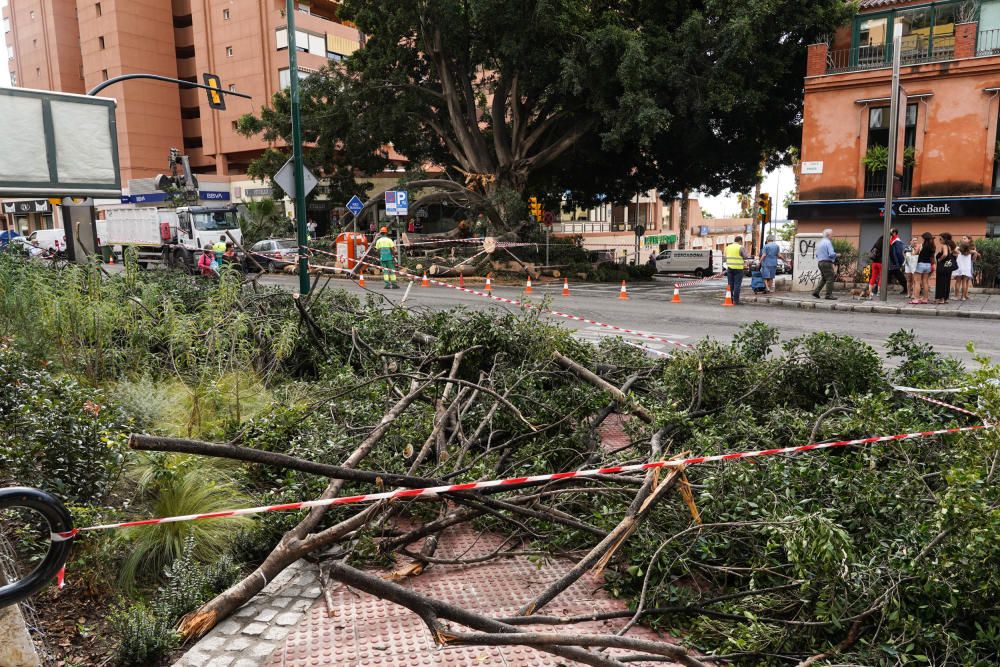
73,45
951,74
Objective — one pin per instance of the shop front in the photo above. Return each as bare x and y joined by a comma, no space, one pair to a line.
861,221
28,215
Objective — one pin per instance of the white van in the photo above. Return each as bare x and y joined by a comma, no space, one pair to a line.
698,262
49,239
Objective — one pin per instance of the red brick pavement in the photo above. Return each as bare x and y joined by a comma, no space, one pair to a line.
368,632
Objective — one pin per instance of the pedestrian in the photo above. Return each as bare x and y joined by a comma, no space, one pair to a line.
220,248
311,229
230,255
387,258
335,221
481,228
897,260
411,227
769,256
206,260
910,265
963,272
946,265
736,256
652,259
826,256
875,279
925,265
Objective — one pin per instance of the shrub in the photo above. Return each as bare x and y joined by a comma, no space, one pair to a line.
55,433
142,635
989,261
171,485
847,260
821,366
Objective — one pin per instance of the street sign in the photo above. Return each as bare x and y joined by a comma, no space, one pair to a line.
402,202
355,205
286,179
390,202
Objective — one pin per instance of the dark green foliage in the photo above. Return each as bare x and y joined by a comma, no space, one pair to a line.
55,433
141,635
822,366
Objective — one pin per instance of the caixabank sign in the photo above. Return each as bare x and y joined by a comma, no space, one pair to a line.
944,207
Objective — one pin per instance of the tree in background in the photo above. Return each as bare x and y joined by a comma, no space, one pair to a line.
599,99
262,220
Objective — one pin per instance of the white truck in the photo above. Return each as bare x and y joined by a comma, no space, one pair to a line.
699,262
173,237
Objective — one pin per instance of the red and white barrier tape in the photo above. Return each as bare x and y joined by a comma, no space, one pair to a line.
514,481
947,406
516,302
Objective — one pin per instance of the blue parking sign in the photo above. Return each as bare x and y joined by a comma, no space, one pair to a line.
402,202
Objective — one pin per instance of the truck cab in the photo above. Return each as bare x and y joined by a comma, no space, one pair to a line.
199,226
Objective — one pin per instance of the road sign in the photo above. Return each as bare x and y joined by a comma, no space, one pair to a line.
355,205
390,202
402,202
286,179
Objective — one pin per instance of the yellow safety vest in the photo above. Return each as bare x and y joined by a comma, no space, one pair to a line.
734,260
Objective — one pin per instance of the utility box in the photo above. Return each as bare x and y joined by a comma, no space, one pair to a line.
351,246
805,268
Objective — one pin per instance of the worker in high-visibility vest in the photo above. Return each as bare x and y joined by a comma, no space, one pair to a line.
736,256
386,248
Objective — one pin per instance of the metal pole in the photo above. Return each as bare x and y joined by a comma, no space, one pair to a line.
300,195
890,167
547,230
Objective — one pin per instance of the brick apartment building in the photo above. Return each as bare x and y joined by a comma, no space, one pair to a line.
73,45
951,73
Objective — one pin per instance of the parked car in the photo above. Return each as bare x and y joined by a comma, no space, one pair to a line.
277,254
6,236
783,267
53,240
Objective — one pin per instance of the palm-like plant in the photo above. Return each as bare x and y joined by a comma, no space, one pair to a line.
171,485
262,220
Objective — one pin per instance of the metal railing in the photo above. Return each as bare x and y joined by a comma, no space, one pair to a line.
875,184
878,56
585,227
988,43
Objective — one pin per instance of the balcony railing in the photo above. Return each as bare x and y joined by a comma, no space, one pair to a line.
988,43
878,56
875,184
584,227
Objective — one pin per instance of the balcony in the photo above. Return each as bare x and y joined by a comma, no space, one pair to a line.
875,184
864,58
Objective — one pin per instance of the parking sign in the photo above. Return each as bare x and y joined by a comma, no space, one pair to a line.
390,202
402,202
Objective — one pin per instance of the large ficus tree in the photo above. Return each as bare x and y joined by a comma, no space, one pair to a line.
597,98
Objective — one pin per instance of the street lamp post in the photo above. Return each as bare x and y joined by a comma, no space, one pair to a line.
890,166
300,195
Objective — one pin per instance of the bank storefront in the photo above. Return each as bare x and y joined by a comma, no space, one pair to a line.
28,215
861,220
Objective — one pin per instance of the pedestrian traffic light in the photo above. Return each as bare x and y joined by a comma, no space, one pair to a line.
535,208
216,100
764,208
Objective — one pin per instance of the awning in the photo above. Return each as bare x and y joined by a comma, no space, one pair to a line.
906,207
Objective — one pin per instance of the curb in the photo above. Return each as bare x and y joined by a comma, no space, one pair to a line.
844,306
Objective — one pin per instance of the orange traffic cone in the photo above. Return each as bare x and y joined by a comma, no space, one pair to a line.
729,298
461,280
527,287
623,294
111,258
565,287
361,277
489,285
677,295
425,282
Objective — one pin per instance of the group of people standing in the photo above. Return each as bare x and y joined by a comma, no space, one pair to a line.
913,265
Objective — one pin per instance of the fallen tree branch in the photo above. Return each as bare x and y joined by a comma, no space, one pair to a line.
599,382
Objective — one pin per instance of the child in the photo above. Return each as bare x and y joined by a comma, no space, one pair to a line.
910,264
963,274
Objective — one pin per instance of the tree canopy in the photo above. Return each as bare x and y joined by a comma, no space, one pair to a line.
597,98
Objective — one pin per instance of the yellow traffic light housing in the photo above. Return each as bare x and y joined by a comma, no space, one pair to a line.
216,100
764,208
535,208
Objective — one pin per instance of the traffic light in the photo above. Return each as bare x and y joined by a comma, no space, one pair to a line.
216,100
764,208
535,208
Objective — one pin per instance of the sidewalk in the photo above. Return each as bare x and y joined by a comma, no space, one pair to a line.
979,306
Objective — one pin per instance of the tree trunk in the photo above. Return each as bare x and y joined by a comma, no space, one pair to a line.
683,229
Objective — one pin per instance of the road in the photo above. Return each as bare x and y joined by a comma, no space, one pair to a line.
700,314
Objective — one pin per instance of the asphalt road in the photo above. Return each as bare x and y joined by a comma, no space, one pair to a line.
700,314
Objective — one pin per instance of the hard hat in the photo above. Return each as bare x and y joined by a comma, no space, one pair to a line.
384,230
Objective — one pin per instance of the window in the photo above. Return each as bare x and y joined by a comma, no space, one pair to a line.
232,87
236,127
13,78
284,80
192,142
304,41
878,135
225,14
98,8
10,53
38,72
6,25
927,32
229,52
100,42
993,227
104,75
31,14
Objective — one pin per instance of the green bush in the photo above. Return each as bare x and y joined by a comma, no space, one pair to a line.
55,433
822,366
141,636
849,262
989,261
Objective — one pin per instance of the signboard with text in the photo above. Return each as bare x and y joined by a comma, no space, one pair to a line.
805,268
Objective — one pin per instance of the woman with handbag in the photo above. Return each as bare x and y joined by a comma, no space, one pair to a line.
946,265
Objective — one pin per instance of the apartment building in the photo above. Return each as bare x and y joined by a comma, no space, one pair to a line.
73,45
950,54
